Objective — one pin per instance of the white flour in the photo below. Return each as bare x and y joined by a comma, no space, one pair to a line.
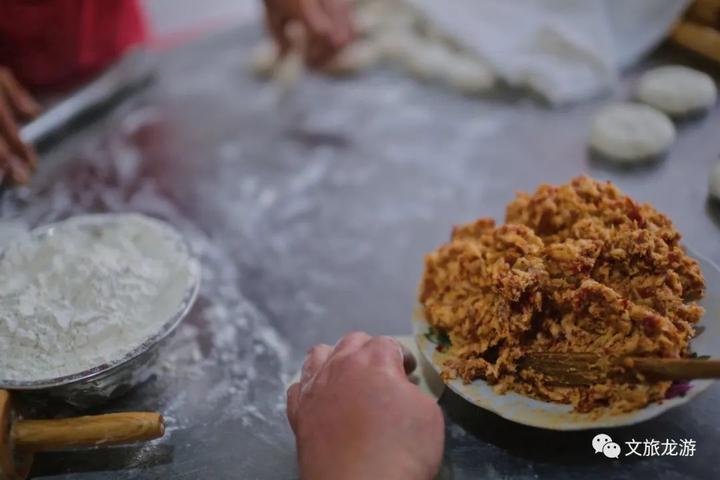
88,293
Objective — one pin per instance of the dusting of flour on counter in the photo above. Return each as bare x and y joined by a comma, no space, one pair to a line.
86,292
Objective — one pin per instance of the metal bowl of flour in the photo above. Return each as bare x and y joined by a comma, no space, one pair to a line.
105,382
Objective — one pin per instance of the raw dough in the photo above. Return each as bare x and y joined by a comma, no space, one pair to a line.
631,132
467,75
715,183
378,16
264,59
441,62
396,45
677,90
395,33
267,64
358,57
355,59
406,39
426,60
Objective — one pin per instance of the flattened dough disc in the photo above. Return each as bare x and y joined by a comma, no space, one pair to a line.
631,132
677,90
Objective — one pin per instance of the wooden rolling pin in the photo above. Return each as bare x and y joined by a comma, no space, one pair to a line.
21,439
576,369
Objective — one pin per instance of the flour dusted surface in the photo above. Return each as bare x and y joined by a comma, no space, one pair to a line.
87,293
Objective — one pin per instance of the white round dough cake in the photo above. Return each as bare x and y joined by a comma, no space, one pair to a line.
715,183
631,132
677,90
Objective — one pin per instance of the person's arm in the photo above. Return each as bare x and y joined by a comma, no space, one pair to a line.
326,23
17,160
356,415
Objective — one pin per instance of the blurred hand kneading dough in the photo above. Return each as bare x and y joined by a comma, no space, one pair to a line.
565,50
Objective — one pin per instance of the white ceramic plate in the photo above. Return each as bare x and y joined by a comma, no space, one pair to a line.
556,416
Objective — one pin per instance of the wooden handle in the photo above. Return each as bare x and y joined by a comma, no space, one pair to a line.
111,429
698,38
574,369
675,369
706,12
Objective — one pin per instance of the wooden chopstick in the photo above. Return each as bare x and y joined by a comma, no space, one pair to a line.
575,369
675,368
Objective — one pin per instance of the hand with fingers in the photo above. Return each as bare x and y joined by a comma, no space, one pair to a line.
326,23
356,415
17,160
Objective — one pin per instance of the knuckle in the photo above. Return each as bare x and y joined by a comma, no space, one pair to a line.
314,350
353,337
384,343
291,390
349,359
355,334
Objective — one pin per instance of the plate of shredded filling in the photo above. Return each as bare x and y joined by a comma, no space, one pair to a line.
577,268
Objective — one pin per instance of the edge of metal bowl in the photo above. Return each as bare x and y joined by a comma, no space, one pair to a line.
165,330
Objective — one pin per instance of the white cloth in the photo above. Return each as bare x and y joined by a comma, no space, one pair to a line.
566,50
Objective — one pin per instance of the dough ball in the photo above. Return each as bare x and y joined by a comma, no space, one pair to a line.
382,16
264,59
354,59
289,70
468,75
433,60
367,22
715,183
631,132
396,45
677,90
267,64
426,61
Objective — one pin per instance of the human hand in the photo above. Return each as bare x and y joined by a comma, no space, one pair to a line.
16,159
356,415
326,23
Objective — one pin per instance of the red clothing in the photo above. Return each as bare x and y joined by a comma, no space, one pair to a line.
56,43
